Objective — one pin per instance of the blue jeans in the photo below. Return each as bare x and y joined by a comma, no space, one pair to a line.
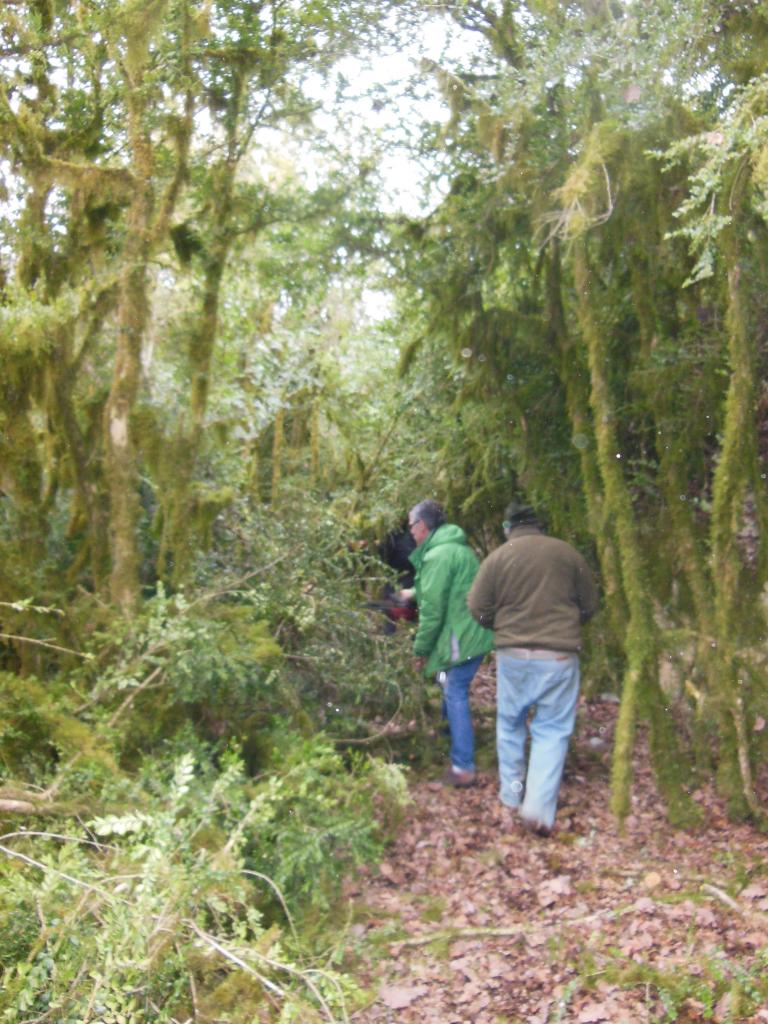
456,711
552,685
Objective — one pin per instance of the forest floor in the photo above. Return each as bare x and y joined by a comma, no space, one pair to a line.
472,919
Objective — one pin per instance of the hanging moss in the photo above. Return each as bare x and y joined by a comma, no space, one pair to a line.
205,506
138,22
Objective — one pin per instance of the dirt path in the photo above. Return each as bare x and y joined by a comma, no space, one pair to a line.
471,920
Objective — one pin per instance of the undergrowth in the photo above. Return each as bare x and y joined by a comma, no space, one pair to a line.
714,987
184,813
191,882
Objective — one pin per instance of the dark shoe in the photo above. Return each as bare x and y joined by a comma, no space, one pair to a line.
457,779
532,825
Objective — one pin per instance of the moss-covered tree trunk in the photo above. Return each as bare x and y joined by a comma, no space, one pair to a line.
183,452
576,386
22,478
314,442
641,693
132,313
675,457
736,475
278,443
673,452
179,499
89,515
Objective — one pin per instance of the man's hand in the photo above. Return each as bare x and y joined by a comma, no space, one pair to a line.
418,665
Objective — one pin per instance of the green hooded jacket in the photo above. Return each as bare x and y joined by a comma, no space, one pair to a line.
445,568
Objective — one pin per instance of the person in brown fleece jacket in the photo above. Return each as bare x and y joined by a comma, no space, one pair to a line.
535,592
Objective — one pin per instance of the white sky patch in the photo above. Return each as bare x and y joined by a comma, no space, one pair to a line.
383,101
378,304
697,84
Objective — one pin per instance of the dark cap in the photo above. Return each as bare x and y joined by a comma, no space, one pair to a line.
516,513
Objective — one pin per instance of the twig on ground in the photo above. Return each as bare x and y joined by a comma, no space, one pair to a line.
729,901
513,931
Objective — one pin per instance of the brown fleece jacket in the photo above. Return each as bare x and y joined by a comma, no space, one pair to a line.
535,591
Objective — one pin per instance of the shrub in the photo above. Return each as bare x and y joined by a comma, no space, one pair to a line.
159,904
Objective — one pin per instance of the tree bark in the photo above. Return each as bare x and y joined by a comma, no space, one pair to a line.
641,693
736,474
132,314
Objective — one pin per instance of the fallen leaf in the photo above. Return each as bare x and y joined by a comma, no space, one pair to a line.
561,884
645,905
754,892
463,964
463,946
397,997
469,992
594,1012
480,1003
652,880
548,893
693,1008
637,944
496,966
706,917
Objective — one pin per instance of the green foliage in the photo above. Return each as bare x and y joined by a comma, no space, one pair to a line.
737,144
209,662
323,818
301,571
162,902
284,633
700,986
40,729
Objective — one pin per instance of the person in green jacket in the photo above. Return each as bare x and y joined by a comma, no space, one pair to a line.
449,643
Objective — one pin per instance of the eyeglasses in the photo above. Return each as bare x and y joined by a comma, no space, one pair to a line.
412,524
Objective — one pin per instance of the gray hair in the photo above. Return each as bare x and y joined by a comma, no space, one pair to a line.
429,512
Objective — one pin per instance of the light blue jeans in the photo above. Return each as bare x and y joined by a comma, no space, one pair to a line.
552,685
457,712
